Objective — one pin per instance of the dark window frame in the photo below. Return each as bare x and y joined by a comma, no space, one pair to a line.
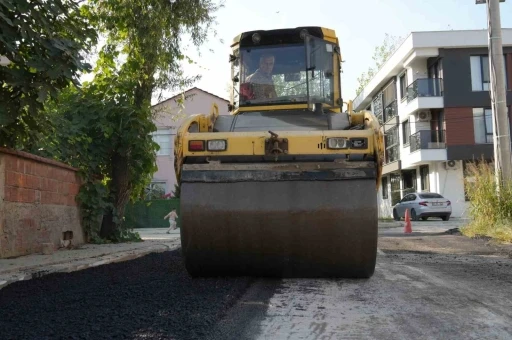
403,86
425,177
396,144
487,70
384,185
406,132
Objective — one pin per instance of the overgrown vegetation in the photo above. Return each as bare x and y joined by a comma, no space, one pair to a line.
491,213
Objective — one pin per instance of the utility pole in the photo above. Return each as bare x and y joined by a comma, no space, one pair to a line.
501,121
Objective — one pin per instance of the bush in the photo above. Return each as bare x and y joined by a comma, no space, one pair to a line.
490,212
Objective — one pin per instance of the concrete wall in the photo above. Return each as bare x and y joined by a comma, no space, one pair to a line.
450,184
169,115
37,203
384,205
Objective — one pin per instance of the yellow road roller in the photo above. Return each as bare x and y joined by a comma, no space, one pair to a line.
285,185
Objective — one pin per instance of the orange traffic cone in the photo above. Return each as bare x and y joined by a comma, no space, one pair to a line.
408,226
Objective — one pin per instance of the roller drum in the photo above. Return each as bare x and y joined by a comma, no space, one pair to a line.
279,224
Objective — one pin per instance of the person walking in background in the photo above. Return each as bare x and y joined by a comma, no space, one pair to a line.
172,220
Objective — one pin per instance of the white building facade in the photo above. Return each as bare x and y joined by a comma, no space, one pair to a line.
432,98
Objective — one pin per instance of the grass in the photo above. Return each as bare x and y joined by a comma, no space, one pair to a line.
491,214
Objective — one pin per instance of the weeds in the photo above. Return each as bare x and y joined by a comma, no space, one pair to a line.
491,213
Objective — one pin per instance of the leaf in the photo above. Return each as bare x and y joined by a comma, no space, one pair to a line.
7,20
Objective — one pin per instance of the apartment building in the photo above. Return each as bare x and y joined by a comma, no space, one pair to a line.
168,115
432,97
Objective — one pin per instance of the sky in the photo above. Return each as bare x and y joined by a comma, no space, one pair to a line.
360,27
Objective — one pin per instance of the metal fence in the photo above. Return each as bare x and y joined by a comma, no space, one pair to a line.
150,213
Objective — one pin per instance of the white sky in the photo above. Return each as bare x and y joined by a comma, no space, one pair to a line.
360,26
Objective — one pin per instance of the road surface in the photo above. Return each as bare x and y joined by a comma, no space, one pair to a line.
429,285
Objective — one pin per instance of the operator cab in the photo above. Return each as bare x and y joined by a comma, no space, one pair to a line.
286,69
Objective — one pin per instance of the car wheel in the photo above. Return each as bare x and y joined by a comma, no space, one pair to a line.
395,215
414,217
424,218
446,218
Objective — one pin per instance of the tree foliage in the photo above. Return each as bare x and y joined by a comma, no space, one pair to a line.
109,139
381,54
43,41
142,54
103,127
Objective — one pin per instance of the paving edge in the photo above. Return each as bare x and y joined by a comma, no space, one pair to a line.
85,263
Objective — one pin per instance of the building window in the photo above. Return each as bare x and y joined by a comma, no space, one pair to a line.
480,75
389,102
425,179
482,125
164,139
384,187
403,85
395,188
406,132
409,181
391,143
378,110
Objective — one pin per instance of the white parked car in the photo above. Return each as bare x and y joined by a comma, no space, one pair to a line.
423,205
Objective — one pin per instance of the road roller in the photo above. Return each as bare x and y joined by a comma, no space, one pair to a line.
285,185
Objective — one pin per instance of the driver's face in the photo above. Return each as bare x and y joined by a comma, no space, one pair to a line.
267,64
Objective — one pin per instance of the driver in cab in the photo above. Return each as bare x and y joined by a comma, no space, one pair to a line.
261,80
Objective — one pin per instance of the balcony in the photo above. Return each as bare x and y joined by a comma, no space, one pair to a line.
427,139
424,93
425,87
425,146
391,159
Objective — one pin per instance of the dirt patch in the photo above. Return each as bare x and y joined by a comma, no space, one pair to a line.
449,242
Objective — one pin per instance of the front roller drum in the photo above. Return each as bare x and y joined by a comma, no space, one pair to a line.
299,228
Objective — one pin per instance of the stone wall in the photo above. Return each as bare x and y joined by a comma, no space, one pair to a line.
37,203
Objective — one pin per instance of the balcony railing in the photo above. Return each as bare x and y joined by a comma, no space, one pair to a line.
427,139
390,111
392,154
425,87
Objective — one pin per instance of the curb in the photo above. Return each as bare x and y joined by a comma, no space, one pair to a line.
82,264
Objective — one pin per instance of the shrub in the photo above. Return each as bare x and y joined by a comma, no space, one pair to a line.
490,211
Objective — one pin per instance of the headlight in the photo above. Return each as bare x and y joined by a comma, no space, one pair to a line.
337,143
217,145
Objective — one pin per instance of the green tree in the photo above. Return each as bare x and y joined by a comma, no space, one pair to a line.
43,41
109,139
142,54
381,54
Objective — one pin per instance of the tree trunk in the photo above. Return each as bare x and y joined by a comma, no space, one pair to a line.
120,189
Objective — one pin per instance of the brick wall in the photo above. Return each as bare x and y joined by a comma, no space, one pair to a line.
459,126
37,203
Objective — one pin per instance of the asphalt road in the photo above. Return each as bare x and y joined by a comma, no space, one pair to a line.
411,296
428,285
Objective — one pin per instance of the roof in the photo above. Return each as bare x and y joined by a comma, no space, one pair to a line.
189,90
424,43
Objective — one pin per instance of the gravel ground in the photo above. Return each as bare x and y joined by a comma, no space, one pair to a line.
148,298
